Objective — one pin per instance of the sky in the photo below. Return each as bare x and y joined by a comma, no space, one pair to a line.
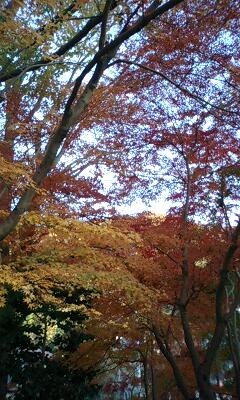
159,207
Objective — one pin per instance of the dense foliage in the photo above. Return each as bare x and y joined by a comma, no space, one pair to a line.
103,103
30,340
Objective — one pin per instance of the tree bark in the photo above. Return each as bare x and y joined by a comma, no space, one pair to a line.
179,378
145,377
154,386
234,350
3,386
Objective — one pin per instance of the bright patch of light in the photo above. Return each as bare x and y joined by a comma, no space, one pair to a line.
158,207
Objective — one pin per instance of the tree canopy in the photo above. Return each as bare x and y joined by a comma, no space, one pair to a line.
101,103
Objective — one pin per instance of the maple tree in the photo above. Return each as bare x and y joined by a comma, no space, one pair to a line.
202,285
146,91
153,307
130,275
109,25
195,155
49,285
179,131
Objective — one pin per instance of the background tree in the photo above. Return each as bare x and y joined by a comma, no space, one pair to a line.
30,340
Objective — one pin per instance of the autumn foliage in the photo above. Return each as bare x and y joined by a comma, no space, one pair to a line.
104,103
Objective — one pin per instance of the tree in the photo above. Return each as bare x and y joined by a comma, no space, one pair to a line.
181,128
31,339
36,47
150,306
162,112
57,267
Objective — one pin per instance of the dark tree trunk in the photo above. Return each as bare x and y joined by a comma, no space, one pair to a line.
154,386
3,386
145,378
6,144
204,386
234,350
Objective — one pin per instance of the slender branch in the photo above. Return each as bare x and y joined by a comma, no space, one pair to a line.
184,295
92,23
130,17
167,255
170,358
220,294
103,32
4,189
178,86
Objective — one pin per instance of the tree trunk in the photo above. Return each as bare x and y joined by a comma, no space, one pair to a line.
154,386
179,377
3,386
145,378
234,350
6,144
204,386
